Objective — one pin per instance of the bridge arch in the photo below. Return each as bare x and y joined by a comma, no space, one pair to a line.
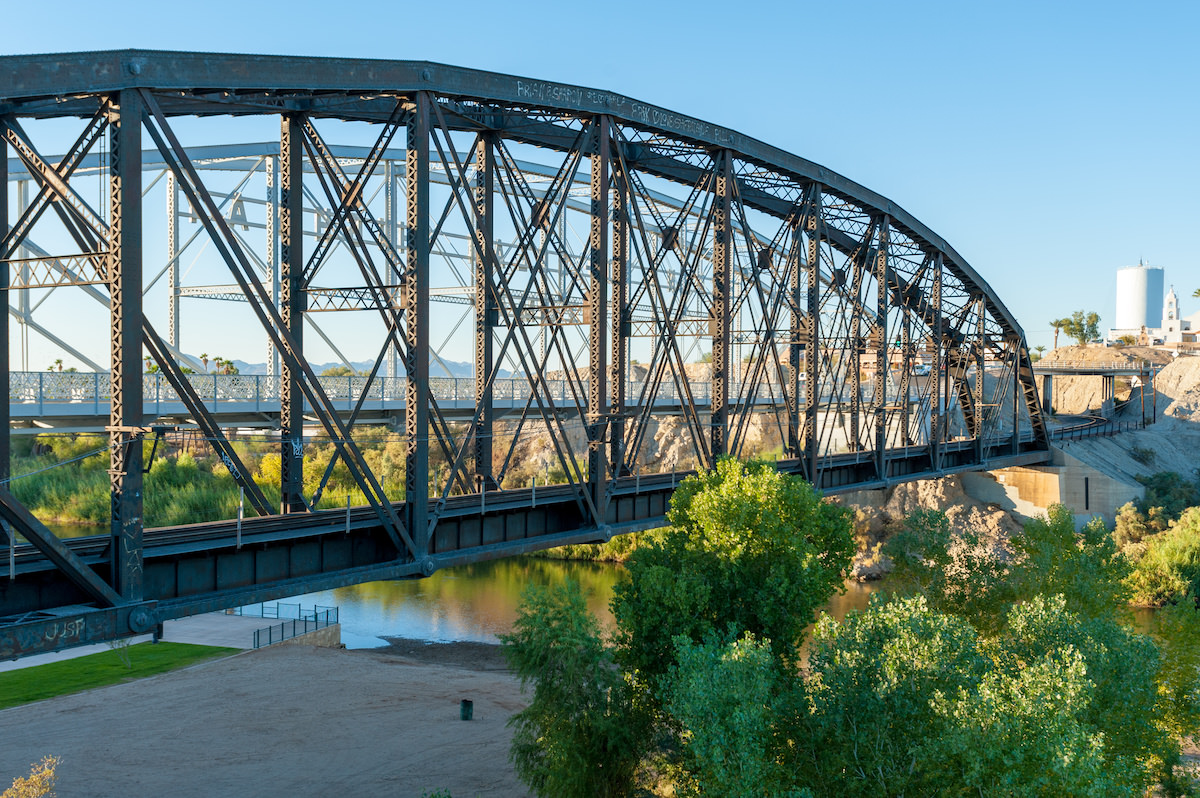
615,260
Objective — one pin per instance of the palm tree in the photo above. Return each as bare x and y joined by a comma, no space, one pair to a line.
1057,324
1039,350
1196,293
204,360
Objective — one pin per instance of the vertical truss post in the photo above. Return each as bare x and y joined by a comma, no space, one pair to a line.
416,328
721,304
881,353
291,310
1016,395
173,261
979,362
391,231
936,408
486,312
795,336
812,353
5,444
125,290
618,367
905,371
23,293
272,169
597,398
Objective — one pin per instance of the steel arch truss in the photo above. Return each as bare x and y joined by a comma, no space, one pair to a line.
651,277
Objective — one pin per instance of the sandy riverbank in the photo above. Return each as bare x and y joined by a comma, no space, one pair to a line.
287,721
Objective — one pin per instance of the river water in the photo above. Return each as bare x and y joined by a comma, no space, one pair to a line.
478,602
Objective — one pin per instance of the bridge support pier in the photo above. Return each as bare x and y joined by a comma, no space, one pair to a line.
1048,394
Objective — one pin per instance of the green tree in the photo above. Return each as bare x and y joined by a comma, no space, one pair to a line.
582,734
749,549
729,696
1081,326
1058,324
338,371
1171,491
872,680
960,576
1169,570
1085,567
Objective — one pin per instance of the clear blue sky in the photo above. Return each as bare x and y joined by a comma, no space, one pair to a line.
1049,143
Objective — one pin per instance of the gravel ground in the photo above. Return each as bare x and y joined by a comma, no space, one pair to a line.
287,721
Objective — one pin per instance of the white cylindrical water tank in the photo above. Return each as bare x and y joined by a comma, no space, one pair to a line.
1139,297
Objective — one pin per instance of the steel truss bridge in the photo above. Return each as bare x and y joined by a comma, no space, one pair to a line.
613,270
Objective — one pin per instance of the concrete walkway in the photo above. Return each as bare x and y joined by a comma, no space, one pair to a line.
212,629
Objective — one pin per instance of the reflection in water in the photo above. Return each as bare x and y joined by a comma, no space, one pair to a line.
471,602
479,602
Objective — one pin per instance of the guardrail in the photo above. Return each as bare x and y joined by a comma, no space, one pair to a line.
1086,365
1095,429
83,388
301,621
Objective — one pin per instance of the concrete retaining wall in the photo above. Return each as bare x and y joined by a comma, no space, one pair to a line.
329,637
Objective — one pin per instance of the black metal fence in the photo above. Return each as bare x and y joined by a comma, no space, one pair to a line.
1098,428
311,621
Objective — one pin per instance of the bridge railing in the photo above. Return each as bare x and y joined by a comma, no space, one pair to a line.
41,388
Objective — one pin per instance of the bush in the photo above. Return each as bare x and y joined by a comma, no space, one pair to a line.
581,735
1170,491
1169,570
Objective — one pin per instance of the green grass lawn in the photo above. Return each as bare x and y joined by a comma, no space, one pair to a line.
96,670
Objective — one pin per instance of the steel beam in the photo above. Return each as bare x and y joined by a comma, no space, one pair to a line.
486,266
597,397
291,308
620,327
723,254
882,351
125,289
5,447
937,379
416,328
814,222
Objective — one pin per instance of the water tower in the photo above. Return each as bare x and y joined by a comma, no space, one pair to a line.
1139,297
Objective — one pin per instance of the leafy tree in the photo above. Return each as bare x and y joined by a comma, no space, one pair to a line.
958,576
1171,491
338,371
1081,326
872,680
1169,570
729,697
1021,735
1122,670
749,549
1133,526
582,734
1084,567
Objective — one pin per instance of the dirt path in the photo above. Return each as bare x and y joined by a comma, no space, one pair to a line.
288,721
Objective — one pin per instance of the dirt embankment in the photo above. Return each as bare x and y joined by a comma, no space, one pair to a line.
880,513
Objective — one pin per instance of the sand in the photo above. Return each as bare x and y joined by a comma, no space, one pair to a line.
286,721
